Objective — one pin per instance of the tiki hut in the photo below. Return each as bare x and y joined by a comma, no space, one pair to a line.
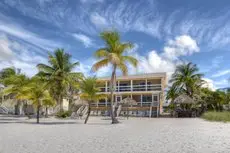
184,106
128,101
184,99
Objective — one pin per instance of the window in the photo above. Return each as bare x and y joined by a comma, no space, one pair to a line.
155,98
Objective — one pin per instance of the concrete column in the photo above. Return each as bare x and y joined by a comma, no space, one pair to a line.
146,83
131,82
106,102
106,86
141,100
151,106
118,87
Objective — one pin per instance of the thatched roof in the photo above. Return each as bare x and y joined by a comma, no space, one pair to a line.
128,101
184,99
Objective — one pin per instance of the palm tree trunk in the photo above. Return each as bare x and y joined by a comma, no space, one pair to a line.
88,114
38,111
61,103
112,85
46,112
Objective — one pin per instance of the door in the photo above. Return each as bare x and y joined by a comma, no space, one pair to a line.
118,99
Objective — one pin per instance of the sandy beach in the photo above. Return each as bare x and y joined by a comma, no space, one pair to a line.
136,135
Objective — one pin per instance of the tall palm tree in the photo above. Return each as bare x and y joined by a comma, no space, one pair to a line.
59,74
36,91
14,84
89,92
114,54
187,79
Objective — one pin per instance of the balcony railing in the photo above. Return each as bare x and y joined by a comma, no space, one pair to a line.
128,88
139,104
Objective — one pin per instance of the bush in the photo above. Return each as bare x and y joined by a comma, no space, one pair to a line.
63,114
217,116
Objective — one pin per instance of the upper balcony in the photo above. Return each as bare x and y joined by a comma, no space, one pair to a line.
132,86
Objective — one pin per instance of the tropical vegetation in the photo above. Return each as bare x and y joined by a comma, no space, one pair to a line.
59,74
89,92
217,116
186,80
115,54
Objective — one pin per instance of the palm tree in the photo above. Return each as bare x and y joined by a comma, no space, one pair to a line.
89,92
7,72
172,94
114,54
14,84
47,102
59,74
187,79
36,91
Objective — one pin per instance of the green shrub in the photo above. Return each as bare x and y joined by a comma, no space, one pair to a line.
217,116
63,114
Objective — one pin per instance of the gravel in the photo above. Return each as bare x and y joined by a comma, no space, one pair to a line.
136,135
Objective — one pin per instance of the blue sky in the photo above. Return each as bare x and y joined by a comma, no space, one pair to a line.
164,33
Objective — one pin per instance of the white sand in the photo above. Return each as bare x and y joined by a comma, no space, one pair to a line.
135,135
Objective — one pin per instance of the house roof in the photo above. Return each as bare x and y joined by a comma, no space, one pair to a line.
136,76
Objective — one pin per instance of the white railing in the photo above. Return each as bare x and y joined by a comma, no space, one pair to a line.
154,104
135,87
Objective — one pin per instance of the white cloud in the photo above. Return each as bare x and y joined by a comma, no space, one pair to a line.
209,83
5,50
86,68
181,46
98,20
24,58
221,83
88,1
221,73
88,42
28,36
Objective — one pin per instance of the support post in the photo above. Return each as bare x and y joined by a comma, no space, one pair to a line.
106,86
131,82
106,101
146,85
141,100
118,87
151,106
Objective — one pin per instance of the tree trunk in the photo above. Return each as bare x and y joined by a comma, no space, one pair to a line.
38,111
46,112
17,108
112,85
88,114
70,104
61,103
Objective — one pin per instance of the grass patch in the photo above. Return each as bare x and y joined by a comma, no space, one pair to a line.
217,116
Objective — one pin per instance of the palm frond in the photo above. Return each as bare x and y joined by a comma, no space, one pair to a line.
133,61
100,64
123,68
101,53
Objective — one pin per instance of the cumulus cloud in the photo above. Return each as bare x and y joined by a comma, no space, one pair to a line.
166,61
209,83
180,46
88,42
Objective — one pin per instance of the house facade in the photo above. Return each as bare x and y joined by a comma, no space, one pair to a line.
146,89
